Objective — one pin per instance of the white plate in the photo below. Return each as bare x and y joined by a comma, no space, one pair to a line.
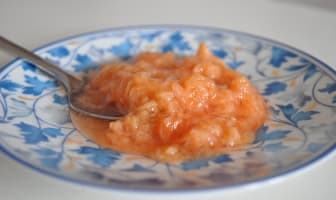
36,129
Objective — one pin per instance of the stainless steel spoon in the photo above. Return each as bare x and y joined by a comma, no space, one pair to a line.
73,85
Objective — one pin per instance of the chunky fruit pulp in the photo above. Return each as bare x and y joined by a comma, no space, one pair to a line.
176,109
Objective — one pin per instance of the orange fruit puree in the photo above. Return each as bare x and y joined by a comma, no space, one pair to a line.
176,109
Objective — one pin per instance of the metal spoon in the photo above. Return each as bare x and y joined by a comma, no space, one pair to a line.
73,85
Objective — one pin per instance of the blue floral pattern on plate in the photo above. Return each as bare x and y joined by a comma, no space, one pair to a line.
301,92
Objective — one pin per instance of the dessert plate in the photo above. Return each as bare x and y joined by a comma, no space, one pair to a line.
36,129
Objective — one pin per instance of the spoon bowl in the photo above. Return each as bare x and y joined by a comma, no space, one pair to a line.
73,86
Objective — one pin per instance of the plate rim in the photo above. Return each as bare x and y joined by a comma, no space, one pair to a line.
325,155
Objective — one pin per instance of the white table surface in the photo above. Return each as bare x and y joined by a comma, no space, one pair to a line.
309,25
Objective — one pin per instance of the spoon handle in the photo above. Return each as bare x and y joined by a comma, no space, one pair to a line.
67,79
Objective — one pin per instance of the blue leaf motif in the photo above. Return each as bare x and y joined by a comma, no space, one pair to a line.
299,116
45,152
260,133
279,56
53,132
122,49
31,134
84,61
59,52
276,147
195,164
51,162
101,157
150,36
295,67
183,46
274,88
294,115
220,53
235,64
167,48
139,168
9,85
329,88
176,42
27,66
176,37
103,160
288,110
34,135
312,69
61,100
273,135
94,150
37,86
222,159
